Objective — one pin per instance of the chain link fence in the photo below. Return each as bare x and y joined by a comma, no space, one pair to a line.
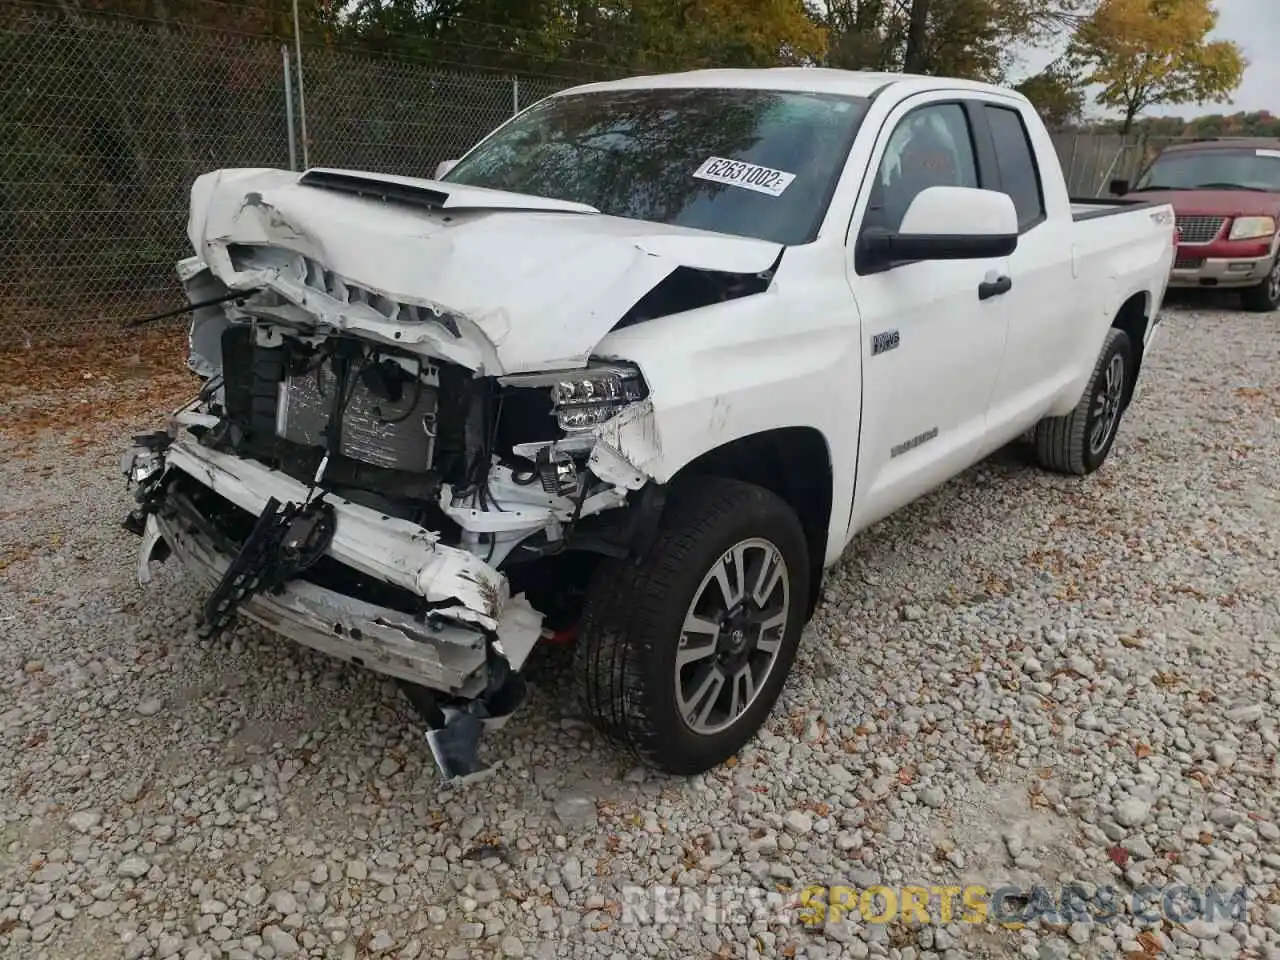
104,123
1091,161
393,116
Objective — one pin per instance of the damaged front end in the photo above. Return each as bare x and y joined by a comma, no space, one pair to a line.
385,504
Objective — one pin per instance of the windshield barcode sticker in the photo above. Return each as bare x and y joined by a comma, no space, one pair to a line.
749,176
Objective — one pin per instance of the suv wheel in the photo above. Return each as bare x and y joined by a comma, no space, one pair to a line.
1265,297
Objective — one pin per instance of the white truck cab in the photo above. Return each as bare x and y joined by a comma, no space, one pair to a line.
629,376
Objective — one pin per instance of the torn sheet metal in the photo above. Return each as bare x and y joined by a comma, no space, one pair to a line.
633,435
396,551
611,467
151,537
447,658
518,306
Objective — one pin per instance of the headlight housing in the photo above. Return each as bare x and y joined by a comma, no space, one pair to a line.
584,399
1252,228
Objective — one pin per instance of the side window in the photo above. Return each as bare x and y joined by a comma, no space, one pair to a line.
932,146
1019,176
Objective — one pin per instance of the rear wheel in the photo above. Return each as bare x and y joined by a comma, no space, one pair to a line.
1265,297
1079,442
683,654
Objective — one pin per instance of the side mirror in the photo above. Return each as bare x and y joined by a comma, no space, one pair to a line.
1119,188
947,223
443,167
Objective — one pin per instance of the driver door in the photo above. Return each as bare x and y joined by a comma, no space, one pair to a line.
931,347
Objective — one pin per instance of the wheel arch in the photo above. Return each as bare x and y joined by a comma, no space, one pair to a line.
795,464
1134,318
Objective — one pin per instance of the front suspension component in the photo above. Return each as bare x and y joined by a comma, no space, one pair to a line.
284,543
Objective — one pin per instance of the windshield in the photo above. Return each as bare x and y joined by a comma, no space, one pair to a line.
1214,170
754,163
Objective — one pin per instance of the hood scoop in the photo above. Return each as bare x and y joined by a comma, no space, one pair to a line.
432,194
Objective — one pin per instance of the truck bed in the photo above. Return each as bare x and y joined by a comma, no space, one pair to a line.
1090,208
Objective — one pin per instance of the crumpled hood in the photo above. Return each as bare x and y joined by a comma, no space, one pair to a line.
542,280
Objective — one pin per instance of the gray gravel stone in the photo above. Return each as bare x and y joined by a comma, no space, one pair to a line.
1246,713
799,822
254,895
281,941
1132,812
133,867
84,820
575,811
356,870
1089,664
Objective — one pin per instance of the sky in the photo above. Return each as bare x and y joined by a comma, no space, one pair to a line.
1255,25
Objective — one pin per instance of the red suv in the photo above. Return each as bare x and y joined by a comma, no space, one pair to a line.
1226,194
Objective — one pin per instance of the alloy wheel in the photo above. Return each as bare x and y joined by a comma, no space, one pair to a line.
732,635
1107,402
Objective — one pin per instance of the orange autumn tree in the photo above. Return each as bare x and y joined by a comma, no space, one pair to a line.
1145,53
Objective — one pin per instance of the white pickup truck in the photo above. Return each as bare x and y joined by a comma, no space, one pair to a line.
630,375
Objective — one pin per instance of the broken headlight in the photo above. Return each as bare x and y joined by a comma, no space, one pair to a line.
583,399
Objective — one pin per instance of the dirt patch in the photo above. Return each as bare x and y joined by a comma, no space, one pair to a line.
71,389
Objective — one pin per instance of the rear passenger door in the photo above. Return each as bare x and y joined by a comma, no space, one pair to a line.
1040,306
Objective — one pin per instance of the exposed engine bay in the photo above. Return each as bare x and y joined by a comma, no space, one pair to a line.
314,459
488,466
417,470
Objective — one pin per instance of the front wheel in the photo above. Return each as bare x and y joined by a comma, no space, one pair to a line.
1265,297
1079,442
683,654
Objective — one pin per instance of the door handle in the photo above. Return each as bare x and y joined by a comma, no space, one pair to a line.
994,288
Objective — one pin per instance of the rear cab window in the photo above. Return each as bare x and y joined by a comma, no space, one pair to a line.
1019,173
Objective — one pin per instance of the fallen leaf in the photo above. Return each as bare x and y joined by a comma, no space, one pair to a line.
1119,855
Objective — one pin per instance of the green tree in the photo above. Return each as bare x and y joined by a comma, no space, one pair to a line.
1149,52
963,38
1056,94
613,36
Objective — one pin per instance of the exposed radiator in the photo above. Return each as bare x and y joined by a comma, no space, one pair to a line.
397,433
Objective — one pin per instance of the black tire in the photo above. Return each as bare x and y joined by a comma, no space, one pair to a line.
1265,297
632,625
1065,444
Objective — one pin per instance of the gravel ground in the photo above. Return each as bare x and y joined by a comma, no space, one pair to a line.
1021,678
